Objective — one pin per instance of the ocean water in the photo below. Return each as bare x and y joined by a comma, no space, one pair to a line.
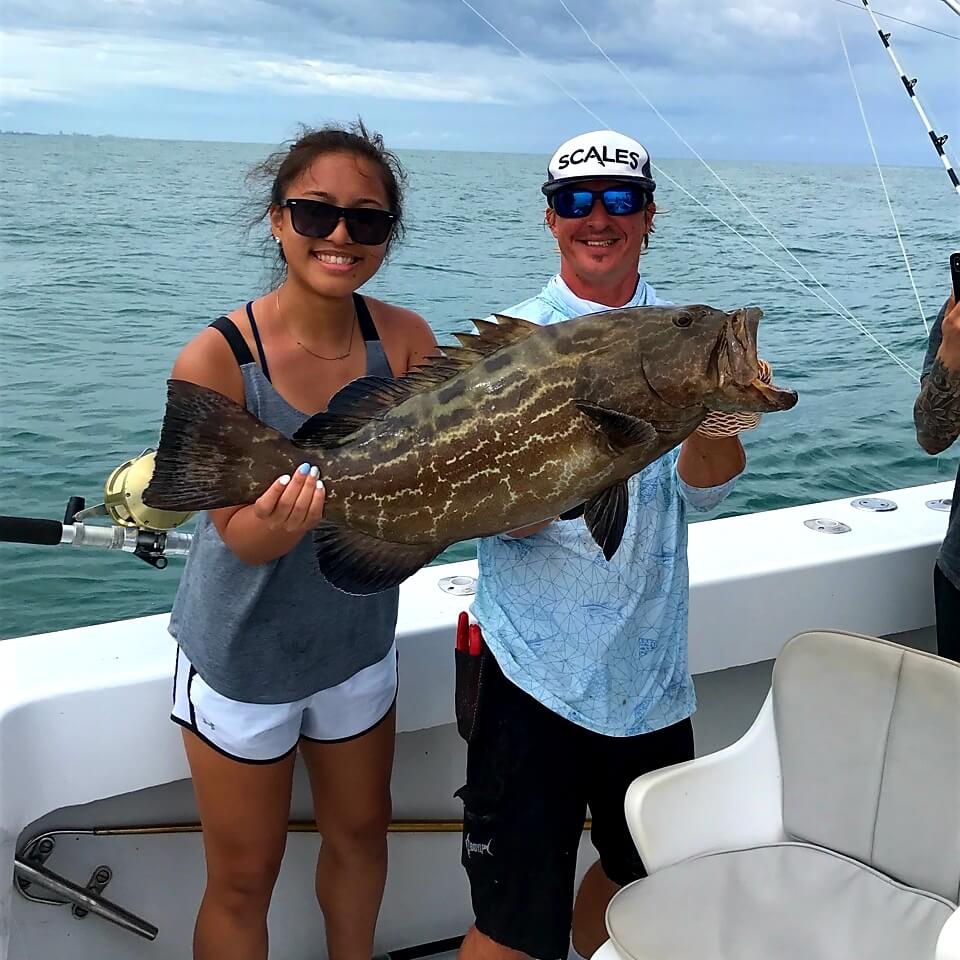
114,253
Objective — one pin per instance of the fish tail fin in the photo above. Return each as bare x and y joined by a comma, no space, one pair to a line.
214,453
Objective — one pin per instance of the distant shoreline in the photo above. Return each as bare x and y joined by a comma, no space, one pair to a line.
933,165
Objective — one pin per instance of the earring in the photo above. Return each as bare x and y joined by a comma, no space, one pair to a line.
276,239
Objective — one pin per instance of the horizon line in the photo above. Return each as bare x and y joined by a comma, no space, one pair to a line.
460,150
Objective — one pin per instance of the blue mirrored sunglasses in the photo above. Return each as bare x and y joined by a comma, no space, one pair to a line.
576,202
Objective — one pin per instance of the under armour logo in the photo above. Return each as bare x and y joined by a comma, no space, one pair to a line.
473,848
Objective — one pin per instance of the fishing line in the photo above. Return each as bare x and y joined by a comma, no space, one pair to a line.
887,16
713,172
913,373
909,85
883,182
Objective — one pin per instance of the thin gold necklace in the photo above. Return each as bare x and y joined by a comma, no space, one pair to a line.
319,356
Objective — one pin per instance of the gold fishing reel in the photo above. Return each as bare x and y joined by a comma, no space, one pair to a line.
123,498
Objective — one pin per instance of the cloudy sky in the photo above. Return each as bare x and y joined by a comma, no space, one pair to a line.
741,79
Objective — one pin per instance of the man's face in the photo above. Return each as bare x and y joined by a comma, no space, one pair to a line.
602,250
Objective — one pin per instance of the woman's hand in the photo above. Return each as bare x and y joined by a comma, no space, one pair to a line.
294,504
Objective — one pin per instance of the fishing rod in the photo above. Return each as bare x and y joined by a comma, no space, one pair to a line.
138,529
938,140
151,546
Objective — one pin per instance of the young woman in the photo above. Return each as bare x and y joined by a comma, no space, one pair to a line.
271,657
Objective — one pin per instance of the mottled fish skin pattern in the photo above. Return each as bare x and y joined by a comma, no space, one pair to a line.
502,443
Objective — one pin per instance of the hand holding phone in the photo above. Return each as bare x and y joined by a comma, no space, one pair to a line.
949,352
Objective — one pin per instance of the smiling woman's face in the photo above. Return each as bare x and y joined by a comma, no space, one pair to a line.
333,266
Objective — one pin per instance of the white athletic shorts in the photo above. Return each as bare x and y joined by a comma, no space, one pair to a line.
268,732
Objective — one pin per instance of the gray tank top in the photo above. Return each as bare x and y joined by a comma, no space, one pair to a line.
276,632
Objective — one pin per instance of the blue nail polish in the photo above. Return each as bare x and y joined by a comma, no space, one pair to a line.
304,468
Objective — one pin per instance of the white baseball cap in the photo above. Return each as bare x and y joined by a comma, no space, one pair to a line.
601,155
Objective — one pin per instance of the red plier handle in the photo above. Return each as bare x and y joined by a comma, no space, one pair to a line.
463,622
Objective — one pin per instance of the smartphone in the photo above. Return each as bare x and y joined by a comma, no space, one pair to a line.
955,275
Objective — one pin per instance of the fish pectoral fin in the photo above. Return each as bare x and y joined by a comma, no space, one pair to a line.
622,429
606,517
357,563
574,513
606,513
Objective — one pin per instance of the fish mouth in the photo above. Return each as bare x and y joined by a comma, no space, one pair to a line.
736,368
763,397
776,398
736,350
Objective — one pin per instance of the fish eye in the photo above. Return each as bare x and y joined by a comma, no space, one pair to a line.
683,320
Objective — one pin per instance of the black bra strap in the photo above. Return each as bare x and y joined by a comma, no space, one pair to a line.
235,341
256,337
367,327
242,352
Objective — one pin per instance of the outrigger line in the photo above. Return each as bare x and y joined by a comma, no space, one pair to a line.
883,182
840,310
909,85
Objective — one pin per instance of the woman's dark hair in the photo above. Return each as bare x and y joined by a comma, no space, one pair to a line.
283,166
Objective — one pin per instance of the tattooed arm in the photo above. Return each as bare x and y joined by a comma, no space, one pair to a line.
937,410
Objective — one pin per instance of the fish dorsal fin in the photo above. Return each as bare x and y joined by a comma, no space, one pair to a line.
357,563
490,337
353,405
606,517
370,398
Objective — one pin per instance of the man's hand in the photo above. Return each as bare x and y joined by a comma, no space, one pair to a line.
949,352
937,410
718,425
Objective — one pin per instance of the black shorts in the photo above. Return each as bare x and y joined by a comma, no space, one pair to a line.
531,775
948,615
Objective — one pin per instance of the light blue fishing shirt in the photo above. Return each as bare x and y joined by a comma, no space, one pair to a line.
603,644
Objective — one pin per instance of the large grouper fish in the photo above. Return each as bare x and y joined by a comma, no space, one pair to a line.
518,424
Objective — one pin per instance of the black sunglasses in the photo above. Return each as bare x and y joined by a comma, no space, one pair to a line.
577,202
316,218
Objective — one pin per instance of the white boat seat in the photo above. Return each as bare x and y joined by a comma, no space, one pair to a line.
830,831
789,901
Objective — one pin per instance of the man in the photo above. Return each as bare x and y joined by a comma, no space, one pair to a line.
937,418
587,685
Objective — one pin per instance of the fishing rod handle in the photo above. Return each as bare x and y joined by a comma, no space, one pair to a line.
110,538
129,539
31,530
51,532
176,544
